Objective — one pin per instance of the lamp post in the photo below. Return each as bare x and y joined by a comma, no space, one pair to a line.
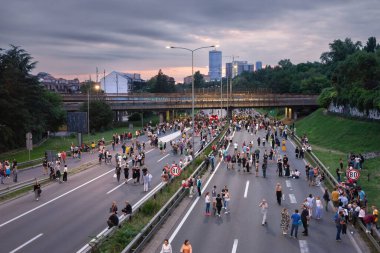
96,87
192,81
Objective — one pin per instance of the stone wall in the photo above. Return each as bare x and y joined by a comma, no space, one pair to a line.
346,110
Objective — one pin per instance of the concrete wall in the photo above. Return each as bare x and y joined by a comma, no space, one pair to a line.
354,112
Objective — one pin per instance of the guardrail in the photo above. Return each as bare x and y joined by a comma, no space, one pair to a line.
140,240
334,182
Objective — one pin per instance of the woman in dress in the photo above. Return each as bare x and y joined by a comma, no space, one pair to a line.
319,208
285,221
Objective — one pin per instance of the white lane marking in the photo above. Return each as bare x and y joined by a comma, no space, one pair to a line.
26,243
58,197
149,151
163,158
234,247
151,192
195,202
288,183
303,246
120,185
246,189
292,199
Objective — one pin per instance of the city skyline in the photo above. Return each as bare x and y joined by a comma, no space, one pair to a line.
70,39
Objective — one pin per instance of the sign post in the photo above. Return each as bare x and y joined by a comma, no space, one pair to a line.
175,171
353,174
29,142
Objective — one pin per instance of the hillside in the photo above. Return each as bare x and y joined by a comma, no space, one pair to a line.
333,137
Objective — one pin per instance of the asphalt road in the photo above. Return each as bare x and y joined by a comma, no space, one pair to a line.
241,230
69,214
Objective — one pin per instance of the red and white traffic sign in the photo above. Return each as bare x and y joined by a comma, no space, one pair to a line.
175,170
353,174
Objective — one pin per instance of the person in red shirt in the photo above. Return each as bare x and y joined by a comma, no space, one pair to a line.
368,220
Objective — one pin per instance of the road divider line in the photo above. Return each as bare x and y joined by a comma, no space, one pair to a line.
26,243
120,185
163,158
149,151
288,183
54,199
303,246
194,203
234,246
246,189
292,198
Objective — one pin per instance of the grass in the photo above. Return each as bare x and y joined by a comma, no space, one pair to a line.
123,236
63,143
336,136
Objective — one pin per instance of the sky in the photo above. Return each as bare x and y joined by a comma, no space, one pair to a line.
71,38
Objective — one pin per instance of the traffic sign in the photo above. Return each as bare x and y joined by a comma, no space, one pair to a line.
353,174
175,170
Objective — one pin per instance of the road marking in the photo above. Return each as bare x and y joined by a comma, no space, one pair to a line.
246,189
120,185
195,202
52,200
288,183
163,158
23,245
149,151
234,247
151,192
292,198
303,246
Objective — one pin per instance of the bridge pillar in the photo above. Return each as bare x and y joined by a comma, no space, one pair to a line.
161,116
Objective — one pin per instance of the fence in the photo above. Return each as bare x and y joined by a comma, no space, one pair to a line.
331,179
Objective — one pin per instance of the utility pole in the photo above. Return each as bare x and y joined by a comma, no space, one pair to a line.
104,78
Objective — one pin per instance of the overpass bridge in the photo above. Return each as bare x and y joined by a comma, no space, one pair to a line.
161,102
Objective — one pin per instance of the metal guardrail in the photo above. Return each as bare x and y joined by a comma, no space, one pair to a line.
334,182
157,219
140,241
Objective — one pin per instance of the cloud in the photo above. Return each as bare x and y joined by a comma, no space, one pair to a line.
73,37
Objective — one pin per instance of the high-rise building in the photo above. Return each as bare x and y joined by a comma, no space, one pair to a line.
235,68
215,65
259,65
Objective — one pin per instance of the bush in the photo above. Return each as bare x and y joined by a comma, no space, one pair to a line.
327,96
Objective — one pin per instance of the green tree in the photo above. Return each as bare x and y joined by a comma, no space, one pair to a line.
199,81
25,104
101,115
161,83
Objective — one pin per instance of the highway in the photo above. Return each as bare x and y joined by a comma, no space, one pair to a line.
241,230
68,215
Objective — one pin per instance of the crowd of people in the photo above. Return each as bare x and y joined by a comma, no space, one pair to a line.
8,170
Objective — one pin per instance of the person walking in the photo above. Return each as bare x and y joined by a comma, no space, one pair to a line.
64,177
296,218
166,247
338,225
227,198
208,203
146,181
326,198
199,185
213,195
37,190
305,219
264,210
285,221
318,208
126,172
186,247
118,172
218,205
278,193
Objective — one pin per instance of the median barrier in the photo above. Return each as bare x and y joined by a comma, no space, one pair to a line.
153,225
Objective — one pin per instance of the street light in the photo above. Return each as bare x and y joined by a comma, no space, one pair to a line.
192,81
96,87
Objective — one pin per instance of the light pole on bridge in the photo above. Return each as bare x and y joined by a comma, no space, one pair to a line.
192,83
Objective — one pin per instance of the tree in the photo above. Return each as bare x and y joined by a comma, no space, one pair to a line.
101,115
198,80
371,45
161,83
25,104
